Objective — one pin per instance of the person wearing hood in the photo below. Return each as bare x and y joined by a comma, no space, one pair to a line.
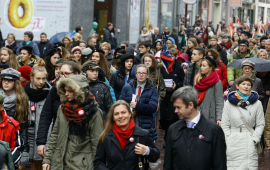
77,128
10,42
243,124
146,102
247,70
222,53
98,87
28,41
122,75
44,46
37,91
106,47
242,52
145,36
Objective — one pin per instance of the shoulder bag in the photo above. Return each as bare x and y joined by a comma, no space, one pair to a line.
251,130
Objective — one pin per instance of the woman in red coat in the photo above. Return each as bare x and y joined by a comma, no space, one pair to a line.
221,69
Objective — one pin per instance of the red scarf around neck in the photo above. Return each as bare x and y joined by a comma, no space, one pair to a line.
227,46
123,136
205,84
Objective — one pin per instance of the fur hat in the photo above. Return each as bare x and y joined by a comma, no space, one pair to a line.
78,84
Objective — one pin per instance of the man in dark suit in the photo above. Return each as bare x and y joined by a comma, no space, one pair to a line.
156,36
193,142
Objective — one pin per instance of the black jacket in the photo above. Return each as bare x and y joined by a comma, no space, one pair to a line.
117,82
48,114
107,37
44,48
109,155
14,46
109,60
155,37
222,53
185,149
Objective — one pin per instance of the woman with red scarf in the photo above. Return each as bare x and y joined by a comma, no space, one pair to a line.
226,39
210,90
124,145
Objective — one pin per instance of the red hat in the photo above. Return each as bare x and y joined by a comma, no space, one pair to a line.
25,71
77,48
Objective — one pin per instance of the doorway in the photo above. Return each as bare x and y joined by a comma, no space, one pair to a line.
102,15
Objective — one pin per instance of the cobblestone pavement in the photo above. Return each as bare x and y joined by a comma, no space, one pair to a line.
264,158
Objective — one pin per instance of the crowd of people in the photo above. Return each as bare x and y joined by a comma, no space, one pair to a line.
96,104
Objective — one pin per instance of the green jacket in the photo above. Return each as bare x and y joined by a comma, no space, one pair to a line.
233,73
66,151
6,156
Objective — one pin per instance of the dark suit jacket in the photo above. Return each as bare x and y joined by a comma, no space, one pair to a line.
109,155
185,150
154,38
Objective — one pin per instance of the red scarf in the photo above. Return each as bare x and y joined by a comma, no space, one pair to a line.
123,136
205,84
227,46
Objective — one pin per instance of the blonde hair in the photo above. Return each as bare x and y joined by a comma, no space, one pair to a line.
110,121
13,62
199,76
194,41
65,37
39,67
105,44
79,36
13,35
262,51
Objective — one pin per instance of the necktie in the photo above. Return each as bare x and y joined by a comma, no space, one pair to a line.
190,124
139,91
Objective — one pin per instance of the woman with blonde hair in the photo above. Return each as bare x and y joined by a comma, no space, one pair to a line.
75,42
252,46
10,42
8,59
262,54
210,90
106,47
191,44
66,40
122,144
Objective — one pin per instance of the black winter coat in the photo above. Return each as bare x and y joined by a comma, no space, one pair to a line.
14,46
154,38
167,115
103,96
117,82
185,150
175,37
48,114
44,48
107,37
109,155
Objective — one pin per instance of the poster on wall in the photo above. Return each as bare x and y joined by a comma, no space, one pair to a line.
134,25
36,16
151,14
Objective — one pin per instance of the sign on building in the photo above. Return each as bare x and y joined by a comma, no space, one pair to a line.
151,14
236,3
36,16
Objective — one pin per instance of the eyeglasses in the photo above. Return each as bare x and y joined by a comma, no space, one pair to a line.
143,73
7,81
65,74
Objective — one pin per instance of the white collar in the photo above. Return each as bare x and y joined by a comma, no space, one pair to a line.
196,119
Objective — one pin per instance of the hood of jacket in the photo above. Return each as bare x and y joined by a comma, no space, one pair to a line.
79,85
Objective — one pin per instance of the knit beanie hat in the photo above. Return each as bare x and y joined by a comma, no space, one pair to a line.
212,61
77,48
244,41
171,39
25,71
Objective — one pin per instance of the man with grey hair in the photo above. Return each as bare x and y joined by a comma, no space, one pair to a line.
267,47
156,36
193,142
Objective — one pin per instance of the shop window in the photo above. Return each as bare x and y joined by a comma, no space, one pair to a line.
260,16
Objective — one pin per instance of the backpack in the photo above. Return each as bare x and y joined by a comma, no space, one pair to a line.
6,155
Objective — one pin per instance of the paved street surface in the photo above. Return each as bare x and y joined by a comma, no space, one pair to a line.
264,159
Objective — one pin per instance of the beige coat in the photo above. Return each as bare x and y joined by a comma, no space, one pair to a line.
241,149
267,125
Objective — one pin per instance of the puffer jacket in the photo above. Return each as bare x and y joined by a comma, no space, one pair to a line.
32,44
241,145
66,150
101,91
233,73
146,106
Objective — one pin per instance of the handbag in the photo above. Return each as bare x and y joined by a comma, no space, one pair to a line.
259,145
143,164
